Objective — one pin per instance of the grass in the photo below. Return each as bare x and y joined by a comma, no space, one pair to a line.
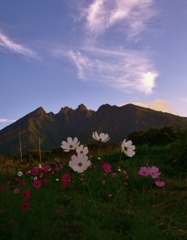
124,208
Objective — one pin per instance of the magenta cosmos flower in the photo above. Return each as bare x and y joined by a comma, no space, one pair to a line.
35,171
144,171
107,167
46,168
37,183
160,183
25,206
26,195
154,172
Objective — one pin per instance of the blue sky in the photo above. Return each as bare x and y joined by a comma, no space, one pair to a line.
64,53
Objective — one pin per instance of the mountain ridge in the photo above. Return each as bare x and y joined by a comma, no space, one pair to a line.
52,128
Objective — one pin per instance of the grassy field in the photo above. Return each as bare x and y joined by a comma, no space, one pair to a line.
96,205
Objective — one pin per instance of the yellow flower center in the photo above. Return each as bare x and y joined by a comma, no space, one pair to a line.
80,164
71,146
100,139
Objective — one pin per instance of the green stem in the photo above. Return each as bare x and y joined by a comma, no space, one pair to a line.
111,206
90,191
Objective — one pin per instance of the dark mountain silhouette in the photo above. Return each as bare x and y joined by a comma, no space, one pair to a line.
52,128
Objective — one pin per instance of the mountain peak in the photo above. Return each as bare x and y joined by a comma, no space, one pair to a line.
65,109
82,107
38,111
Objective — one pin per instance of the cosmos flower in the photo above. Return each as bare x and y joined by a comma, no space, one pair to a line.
128,148
26,195
25,206
79,163
71,144
154,172
82,150
35,171
20,173
143,171
37,183
160,183
102,137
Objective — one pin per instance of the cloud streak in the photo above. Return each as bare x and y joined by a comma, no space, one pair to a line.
125,70
103,14
7,43
4,120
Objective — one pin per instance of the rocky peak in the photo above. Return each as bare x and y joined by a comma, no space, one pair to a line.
82,107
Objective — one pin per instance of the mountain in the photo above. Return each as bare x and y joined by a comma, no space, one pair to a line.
51,129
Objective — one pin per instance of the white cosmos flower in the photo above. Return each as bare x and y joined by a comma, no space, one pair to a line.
71,144
20,173
102,137
128,148
82,150
79,163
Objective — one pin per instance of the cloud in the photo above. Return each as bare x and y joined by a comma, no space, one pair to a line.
124,70
4,120
6,43
103,14
158,105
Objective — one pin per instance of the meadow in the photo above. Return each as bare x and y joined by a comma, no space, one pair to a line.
113,198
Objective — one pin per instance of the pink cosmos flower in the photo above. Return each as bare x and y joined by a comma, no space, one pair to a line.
66,177
110,195
37,183
16,190
154,172
144,171
114,174
26,195
46,168
160,183
124,172
17,179
25,206
65,180
103,182
35,171
106,167
91,165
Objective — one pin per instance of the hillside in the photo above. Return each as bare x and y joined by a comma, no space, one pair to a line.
52,128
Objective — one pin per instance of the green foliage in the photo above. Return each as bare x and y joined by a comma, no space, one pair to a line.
138,210
158,136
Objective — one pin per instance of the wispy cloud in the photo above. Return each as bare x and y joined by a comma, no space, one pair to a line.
7,43
103,14
125,70
4,120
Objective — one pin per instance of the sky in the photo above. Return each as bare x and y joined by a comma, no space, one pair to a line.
93,52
